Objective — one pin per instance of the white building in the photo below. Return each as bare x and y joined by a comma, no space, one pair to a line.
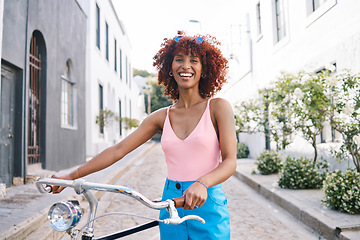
289,36
110,85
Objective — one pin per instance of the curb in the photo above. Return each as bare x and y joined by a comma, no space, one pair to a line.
303,214
29,226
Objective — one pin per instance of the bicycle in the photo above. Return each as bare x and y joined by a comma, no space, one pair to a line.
64,216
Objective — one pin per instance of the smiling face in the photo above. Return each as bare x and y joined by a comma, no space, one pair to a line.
214,65
187,70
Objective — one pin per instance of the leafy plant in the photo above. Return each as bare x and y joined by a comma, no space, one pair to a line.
345,94
303,102
104,118
311,106
242,150
129,123
278,105
158,99
268,162
248,117
342,191
302,174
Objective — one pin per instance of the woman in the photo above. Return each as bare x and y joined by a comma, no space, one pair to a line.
196,131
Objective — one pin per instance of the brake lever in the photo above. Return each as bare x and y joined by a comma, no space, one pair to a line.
178,220
174,216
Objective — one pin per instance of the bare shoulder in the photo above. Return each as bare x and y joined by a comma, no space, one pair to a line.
160,113
157,117
221,106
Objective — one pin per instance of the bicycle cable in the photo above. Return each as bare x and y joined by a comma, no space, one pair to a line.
120,213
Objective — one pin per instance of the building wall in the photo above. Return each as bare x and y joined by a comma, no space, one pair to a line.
102,72
314,40
64,41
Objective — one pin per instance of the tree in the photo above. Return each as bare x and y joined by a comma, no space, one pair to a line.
142,73
311,108
345,118
158,99
248,117
278,114
293,103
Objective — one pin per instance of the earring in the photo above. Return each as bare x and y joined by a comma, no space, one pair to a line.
171,74
203,76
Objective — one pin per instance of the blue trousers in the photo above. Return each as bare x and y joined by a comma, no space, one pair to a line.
214,211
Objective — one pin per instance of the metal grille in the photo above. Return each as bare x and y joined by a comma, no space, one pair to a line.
34,103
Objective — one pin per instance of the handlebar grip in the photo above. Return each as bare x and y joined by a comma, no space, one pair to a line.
179,202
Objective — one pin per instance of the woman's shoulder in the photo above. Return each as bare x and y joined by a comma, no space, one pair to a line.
218,103
160,112
158,116
220,107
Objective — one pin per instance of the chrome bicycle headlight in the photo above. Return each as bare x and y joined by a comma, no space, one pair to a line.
64,215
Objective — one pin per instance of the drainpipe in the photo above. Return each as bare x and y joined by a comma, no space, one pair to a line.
2,26
23,128
250,42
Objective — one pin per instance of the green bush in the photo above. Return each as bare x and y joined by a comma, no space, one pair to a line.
302,174
342,191
242,150
268,162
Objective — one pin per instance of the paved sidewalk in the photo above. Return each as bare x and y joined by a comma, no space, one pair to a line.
21,213
24,209
304,205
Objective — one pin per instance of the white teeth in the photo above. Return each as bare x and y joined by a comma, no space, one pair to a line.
185,74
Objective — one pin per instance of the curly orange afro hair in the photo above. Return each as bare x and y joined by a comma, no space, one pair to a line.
214,64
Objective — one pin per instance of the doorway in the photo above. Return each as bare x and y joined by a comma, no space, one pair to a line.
36,103
7,122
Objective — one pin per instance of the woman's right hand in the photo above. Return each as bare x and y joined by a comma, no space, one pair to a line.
58,189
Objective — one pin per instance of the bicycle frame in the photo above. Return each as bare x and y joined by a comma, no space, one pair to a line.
82,187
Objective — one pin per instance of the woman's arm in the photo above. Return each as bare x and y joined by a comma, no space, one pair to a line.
223,114
147,129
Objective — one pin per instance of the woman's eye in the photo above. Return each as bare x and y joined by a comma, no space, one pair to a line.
194,61
178,60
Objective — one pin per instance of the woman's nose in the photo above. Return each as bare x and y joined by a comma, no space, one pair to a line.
186,65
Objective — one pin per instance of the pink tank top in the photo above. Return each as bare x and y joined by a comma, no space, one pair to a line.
196,155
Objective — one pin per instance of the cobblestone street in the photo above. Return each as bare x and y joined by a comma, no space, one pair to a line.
252,217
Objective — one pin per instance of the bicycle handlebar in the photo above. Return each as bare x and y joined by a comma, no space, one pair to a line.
44,185
81,185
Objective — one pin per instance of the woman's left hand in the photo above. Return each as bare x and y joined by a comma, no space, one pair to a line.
195,196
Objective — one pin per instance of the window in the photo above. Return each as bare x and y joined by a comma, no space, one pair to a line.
126,70
101,107
120,69
107,41
317,8
258,16
280,19
115,55
317,3
130,75
67,97
130,108
120,116
97,26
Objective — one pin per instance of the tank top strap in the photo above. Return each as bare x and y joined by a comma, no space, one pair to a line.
168,110
167,118
208,105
